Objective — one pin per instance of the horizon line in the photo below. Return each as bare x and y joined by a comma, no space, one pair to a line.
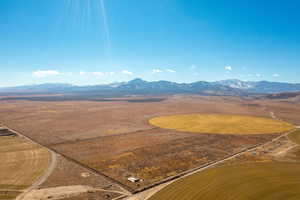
79,85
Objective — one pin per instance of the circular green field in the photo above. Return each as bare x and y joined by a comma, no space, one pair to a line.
221,124
252,181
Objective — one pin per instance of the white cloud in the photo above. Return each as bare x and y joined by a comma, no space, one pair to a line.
111,73
126,72
82,73
154,71
69,73
98,73
44,73
170,70
258,75
275,75
228,68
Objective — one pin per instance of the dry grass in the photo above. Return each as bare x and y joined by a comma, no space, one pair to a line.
9,195
295,136
98,134
221,124
266,181
22,163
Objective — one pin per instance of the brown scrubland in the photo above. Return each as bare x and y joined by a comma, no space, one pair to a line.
116,140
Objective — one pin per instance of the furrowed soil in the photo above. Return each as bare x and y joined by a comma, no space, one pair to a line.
249,181
22,163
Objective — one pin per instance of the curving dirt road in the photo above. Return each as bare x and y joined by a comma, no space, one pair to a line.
150,192
64,192
27,194
42,179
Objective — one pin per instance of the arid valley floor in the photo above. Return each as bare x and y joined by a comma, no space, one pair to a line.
89,149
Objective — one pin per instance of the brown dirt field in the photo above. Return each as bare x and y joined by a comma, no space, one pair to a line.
286,111
163,153
61,119
7,195
68,173
70,192
93,196
22,163
116,139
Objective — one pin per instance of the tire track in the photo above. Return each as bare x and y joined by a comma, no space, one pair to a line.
125,189
146,193
42,179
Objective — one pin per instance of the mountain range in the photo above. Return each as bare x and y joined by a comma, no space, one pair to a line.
232,87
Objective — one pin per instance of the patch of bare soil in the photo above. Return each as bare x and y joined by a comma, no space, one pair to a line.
68,173
281,150
66,192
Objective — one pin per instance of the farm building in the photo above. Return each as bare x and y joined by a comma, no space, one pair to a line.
133,179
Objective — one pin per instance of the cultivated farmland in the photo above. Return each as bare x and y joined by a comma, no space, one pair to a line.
249,181
221,124
103,143
22,163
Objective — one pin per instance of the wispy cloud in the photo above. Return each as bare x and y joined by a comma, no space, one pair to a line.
98,73
126,72
111,73
228,68
69,73
82,73
45,73
170,70
155,71
275,75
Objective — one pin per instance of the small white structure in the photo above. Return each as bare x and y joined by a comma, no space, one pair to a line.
133,179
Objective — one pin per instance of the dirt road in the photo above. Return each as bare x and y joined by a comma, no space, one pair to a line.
150,192
53,163
42,179
64,192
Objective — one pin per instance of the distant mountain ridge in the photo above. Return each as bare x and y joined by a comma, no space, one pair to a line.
261,86
137,86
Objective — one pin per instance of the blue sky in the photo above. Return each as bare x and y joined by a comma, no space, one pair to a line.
101,41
